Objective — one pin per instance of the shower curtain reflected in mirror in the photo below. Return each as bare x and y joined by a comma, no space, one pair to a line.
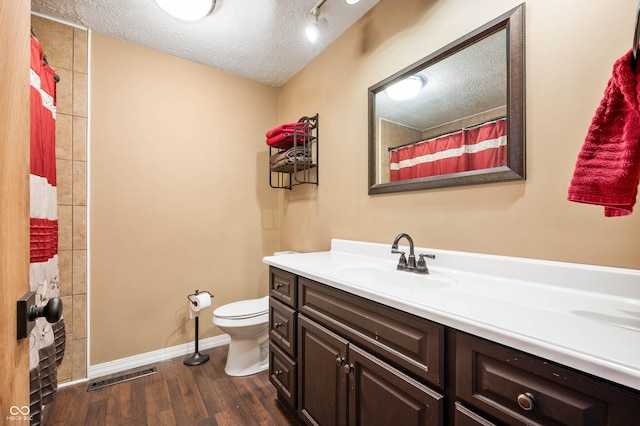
47,341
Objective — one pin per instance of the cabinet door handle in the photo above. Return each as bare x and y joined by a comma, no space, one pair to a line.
339,361
348,368
526,401
277,324
278,286
277,372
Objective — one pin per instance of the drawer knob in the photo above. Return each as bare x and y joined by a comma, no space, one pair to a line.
526,401
278,372
277,324
278,286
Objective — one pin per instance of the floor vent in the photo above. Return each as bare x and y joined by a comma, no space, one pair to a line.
124,378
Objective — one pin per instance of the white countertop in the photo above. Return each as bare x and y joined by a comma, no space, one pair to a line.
583,316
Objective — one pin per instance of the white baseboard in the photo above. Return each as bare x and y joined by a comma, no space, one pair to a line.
165,354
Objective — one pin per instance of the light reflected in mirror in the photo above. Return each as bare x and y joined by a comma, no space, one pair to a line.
464,122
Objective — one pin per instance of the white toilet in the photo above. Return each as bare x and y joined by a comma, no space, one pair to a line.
247,324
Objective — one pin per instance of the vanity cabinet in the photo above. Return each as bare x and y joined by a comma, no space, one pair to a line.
337,359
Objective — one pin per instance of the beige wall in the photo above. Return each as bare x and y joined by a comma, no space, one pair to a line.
570,48
179,192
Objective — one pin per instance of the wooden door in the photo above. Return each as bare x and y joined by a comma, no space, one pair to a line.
15,21
322,383
381,395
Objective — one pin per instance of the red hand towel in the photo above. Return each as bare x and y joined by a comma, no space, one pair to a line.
285,140
608,166
288,127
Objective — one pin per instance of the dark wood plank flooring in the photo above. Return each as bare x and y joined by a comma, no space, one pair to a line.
176,395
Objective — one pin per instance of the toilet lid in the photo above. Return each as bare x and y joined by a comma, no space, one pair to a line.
243,308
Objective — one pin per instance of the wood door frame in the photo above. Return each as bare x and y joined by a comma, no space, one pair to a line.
15,21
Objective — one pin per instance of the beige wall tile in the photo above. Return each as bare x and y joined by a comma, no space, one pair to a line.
65,227
65,264
79,183
79,272
65,182
79,227
67,314
64,136
80,316
56,40
79,359
64,91
80,138
79,94
80,50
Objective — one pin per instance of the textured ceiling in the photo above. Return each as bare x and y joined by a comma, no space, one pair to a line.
262,40
469,82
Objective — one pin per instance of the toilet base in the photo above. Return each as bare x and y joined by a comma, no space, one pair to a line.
247,356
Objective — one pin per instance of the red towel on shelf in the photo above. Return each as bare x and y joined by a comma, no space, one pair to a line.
285,140
287,128
608,166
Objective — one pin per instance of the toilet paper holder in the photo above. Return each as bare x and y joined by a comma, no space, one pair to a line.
193,302
197,357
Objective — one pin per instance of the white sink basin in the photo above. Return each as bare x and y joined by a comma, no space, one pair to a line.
384,276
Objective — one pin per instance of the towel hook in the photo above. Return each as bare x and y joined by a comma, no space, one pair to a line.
636,39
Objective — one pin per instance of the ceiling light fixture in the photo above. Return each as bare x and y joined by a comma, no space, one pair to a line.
314,29
190,10
351,1
407,88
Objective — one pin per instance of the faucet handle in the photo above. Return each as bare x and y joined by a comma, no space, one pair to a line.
421,266
402,262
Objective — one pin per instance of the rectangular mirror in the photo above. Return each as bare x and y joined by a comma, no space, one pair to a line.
455,117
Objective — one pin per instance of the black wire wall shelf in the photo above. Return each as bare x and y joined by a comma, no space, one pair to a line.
298,164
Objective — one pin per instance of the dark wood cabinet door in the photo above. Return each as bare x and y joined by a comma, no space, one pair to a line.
465,417
322,381
382,395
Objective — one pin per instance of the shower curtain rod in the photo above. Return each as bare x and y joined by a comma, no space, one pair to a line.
482,123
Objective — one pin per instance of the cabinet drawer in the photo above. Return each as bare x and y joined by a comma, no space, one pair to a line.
283,286
411,343
521,389
282,326
283,375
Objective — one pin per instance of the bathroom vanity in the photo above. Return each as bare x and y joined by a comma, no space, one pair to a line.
480,340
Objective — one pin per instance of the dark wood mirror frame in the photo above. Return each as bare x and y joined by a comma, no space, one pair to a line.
513,23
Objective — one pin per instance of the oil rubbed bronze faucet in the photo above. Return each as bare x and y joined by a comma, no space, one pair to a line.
410,264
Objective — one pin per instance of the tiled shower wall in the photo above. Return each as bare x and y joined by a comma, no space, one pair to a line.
66,49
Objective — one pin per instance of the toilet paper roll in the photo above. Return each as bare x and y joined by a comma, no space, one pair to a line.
200,301
197,303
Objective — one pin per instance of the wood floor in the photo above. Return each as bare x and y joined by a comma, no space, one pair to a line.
176,395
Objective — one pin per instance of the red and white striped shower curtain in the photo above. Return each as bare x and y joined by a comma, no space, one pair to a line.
47,341
477,148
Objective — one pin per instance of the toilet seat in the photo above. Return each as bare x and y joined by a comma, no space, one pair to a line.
243,309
